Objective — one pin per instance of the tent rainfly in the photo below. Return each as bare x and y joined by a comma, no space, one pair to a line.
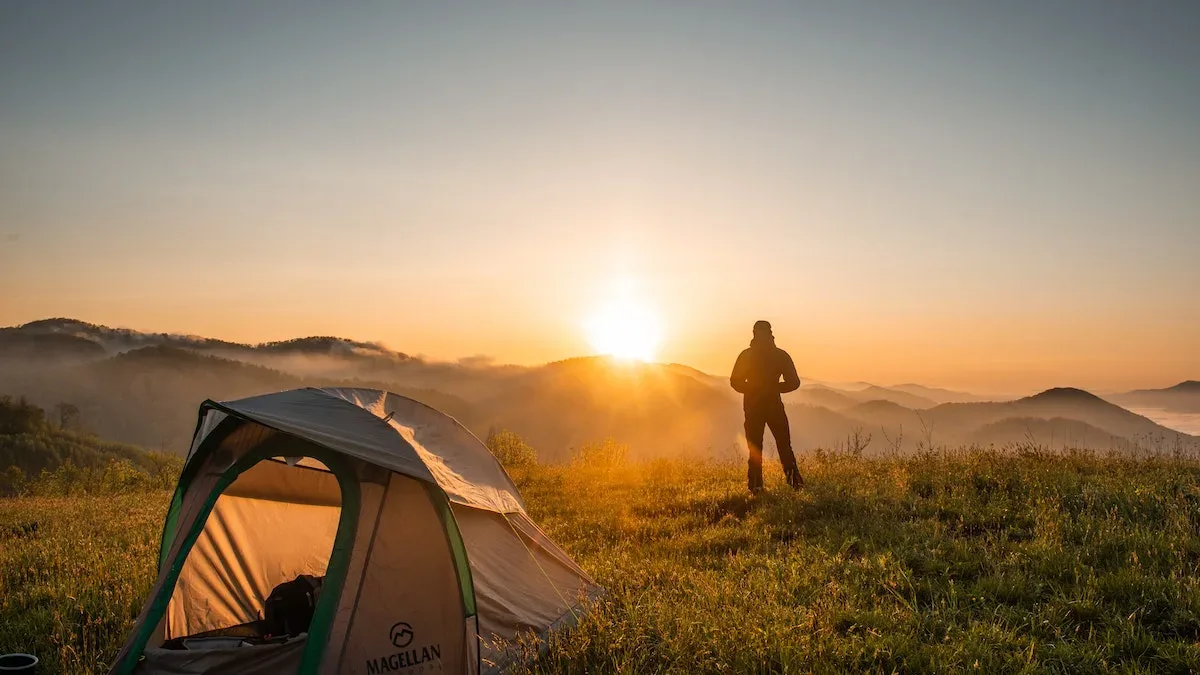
419,554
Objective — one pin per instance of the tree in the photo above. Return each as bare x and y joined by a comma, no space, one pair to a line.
20,416
68,414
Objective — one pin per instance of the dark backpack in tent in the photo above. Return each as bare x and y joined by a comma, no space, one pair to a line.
288,610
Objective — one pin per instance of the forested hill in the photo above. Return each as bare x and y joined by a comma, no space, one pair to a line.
31,442
145,388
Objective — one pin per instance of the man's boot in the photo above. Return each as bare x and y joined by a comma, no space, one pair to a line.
756,486
754,479
795,480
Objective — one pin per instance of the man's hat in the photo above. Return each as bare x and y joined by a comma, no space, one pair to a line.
761,326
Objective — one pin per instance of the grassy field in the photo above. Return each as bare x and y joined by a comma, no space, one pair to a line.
74,572
939,563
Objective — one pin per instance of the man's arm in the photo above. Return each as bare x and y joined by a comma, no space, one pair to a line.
791,381
737,379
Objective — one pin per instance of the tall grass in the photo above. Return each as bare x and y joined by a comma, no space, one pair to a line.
73,574
945,562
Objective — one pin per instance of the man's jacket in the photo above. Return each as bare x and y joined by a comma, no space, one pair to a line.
758,371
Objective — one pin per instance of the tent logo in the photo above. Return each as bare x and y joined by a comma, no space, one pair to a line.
421,659
401,635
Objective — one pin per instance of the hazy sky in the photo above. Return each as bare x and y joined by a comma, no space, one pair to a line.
999,196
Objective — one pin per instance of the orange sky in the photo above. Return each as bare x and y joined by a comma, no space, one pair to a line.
969,350
998,198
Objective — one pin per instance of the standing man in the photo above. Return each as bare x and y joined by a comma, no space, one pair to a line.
757,375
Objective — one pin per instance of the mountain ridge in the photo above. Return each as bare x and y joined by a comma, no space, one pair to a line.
146,388
1183,397
124,339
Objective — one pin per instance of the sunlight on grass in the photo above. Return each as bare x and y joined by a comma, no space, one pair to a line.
944,562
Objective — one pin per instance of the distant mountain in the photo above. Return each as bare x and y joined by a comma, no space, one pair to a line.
1105,426
1181,398
149,396
837,386
959,421
875,393
116,340
1085,406
146,396
324,357
331,346
716,381
1055,433
880,413
817,427
939,396
23,346
824,397
658,410
144,388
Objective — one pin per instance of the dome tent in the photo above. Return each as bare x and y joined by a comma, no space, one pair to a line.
427,559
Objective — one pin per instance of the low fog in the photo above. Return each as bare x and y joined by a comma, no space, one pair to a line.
145,389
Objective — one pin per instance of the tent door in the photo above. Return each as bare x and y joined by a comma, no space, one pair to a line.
335,572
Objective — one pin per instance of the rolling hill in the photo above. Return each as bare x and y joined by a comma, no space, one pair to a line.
113,340
22,346
823,397
886,414
1057,432
939,395
1056,417
31,443
1076,404
60,335
144,388
875,393
149,396
1181,398
957,423
658,410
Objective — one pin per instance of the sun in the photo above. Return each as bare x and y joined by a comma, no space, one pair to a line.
626,329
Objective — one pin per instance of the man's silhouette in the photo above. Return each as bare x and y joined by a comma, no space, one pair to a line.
757,376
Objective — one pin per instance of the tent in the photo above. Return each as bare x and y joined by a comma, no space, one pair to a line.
427,559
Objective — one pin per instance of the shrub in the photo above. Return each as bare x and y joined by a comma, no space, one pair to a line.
117,476
12,481
510,448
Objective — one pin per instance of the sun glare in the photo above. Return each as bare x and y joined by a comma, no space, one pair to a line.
625,329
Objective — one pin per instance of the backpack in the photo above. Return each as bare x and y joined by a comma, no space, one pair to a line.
288,610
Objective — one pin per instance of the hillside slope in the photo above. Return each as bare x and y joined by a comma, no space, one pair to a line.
958,418
31,443
1181,398
939,395
875,393
1054,433
658,411
149,396
145,388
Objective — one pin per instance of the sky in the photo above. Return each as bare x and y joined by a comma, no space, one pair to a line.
1001,197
